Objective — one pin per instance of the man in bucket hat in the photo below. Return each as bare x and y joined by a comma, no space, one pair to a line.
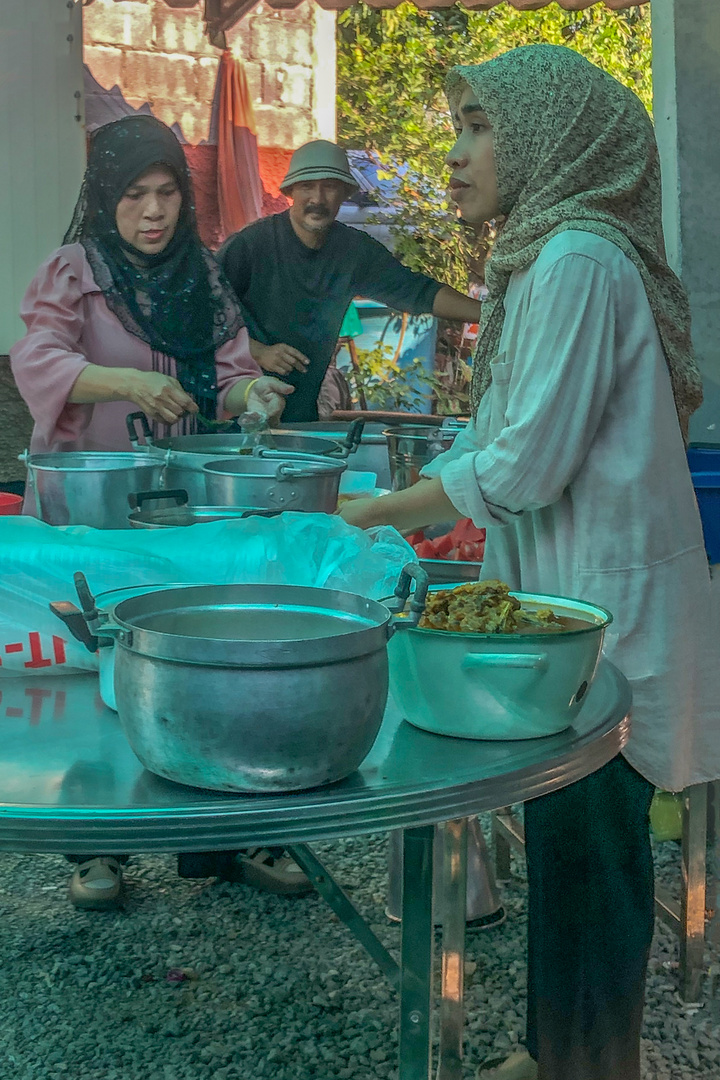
296,272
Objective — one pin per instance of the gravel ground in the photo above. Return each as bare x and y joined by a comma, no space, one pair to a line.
275,988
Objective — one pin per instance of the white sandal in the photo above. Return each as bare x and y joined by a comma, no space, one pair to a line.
96,885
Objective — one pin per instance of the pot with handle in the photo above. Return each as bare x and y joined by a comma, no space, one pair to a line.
248,687
370,456
184,456
412,446
500,686
308,484
88,488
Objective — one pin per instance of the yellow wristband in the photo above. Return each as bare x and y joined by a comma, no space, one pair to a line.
248,388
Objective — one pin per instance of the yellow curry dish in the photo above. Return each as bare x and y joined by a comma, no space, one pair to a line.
486,607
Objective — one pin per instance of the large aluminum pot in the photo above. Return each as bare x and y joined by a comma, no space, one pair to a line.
310,484
86,488
247,687
371,454
499,686
184,456
108,601
413,446
171,510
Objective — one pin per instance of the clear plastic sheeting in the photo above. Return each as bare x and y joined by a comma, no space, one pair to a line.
39,562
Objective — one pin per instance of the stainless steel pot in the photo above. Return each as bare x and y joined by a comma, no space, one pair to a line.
499,686
108,601
310,484
86,488
411,447
170,510
371,455
184,456
247,687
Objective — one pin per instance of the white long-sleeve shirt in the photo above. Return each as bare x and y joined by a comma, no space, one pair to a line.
575,464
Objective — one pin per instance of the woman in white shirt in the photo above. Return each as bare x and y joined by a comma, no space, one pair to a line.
583,383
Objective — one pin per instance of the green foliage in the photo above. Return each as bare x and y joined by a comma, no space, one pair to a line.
391,69
387,385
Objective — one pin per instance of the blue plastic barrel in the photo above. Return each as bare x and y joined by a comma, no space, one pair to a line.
704,462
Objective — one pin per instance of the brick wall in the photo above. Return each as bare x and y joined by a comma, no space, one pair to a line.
160,55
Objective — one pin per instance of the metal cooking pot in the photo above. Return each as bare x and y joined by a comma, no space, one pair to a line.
498,686
310,484
370,456
248,687
173,510
413,446
184,456
86,488
108,601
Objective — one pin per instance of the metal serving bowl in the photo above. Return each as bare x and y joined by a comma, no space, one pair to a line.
498,686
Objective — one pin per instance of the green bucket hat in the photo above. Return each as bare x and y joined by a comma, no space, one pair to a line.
319,160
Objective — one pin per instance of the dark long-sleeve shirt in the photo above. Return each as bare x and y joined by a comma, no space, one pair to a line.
298,295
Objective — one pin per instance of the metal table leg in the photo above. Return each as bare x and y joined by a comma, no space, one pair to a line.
692,899
507,834
345,910
453,907
416,962
687,919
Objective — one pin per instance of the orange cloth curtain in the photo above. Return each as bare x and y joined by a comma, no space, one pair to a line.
240,190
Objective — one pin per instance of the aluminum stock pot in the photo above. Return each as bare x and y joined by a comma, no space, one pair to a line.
108,601
87,488
247,687
183,457
370,456
412,446
308,484
499,686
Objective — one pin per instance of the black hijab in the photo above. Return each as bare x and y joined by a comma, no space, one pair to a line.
178,300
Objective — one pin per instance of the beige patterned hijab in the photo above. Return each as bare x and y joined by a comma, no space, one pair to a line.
574,149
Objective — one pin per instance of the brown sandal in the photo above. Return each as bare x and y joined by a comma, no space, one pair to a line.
262,870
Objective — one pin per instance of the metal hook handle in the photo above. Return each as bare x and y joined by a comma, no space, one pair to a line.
130,421
411,572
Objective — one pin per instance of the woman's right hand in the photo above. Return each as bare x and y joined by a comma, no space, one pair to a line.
159,396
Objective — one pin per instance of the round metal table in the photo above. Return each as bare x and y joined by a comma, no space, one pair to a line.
69,783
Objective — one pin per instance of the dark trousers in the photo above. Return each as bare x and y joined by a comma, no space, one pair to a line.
590,925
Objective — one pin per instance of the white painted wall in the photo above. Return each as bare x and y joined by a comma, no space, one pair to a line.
324,75
42,144
686,79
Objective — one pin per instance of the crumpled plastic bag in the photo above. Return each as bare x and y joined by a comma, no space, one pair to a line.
38,563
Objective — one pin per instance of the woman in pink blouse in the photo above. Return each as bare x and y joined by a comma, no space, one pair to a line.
132,312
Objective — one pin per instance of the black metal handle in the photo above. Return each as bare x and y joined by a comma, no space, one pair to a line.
76,624
354,436
89,607
260,513
412,572
179,497
130,421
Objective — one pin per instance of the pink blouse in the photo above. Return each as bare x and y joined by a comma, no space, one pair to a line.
69,326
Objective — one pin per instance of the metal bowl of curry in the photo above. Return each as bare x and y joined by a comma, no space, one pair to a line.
453,679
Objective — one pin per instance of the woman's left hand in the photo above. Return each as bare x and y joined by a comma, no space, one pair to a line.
268,396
